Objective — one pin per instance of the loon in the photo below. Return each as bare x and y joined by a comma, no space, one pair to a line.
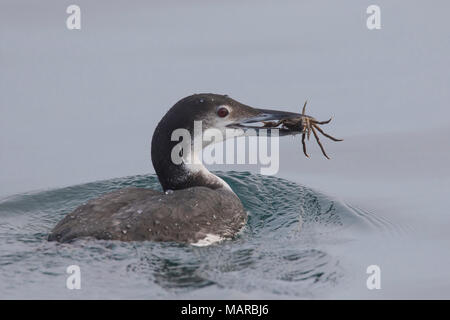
196,206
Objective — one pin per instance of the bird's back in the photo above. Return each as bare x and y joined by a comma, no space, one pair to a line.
134,214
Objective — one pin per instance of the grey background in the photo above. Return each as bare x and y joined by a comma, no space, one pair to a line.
78,106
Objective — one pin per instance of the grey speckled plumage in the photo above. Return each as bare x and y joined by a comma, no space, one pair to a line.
136,214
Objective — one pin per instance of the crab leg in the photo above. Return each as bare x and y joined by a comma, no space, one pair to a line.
305,122
323,122
304,145
318,141
326,135
307,127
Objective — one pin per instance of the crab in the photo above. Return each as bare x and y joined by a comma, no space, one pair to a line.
304,125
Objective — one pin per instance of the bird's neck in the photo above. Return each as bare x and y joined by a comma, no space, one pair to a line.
174,176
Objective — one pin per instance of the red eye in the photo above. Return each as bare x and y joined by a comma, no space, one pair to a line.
222,112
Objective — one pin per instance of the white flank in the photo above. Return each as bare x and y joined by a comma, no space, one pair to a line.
208,240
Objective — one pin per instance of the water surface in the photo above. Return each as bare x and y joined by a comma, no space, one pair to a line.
284,250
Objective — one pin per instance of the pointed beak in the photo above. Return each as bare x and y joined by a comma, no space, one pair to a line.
258,118
271,115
